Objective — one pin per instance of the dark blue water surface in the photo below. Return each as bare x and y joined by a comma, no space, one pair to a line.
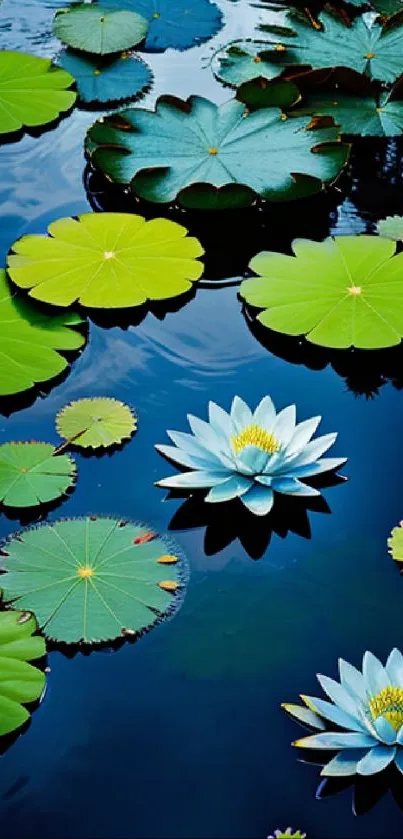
181,734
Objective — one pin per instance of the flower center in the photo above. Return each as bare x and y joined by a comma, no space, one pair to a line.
84,572
354,289
388,703
254,435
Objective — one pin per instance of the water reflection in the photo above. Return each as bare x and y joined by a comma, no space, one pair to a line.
365,792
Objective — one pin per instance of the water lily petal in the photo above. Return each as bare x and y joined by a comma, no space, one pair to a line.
313,450
352,680
220,420
399,738
336,740
394,668
304,715
264,479
374,673
334,714
399,760
291,486
251,460
259,500
385,731
265,414
241,414
326,464
339,695
344,763
194,480
284,426
185,459
205,433
190,444
234,487
376,760
302,435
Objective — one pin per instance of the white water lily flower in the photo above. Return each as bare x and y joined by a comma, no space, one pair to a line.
249,455
368,705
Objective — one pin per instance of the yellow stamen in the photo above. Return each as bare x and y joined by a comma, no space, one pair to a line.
354,289
85,572
254,435
213,150
388,703
168,585
168,559
370,55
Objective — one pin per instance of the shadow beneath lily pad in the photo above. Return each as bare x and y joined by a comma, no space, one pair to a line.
366,791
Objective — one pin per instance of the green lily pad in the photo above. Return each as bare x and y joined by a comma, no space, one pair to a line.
31,474
20,682
343,292
387,8
31,341
175,24
99,31
391,228
96,423
246,60
107,260
32,91
208,155
395,543
92,579
356,115
107,79
261,93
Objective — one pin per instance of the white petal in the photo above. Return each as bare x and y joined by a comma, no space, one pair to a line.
339,695
375,675
343,764
185,459
251,460
326,464
385,731
265,414
241,414
284,426
302,435
313,450
259,500
231,488
394,668
376,760
334,714
220,421
194,480
205,433
291,486
352,680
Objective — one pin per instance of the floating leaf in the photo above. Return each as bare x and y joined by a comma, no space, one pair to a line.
209,155
395,543
20,682
31,340
107,260
260,93
31,474
96,423
32,91
391,228
178,24
357,115
387,7
107,79
92,579
343,292
100,31
243,61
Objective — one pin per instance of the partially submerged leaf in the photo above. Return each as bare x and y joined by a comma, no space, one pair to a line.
96,423
195,149
107,79
395,543
31,341
92,579
391,228
88,28
261,93
20,682
343,292
31,474
176,24
107,260
32,91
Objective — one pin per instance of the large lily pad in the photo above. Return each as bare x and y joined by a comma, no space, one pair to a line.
92,579
99,31
31,341
20,682
31,474
107,79
107,260
32,91
343,292
243,61
96,423
208,155
366,117
178,24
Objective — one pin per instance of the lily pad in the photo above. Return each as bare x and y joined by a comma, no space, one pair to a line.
107,260
176,24
32,91
366,117
343,292
31,341
92,579
208,155
261,93
246,60
91,29
395,543
107,79
20,682
391,228
387,8
31,474
96,423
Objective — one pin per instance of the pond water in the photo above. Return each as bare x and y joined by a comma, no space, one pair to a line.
181,734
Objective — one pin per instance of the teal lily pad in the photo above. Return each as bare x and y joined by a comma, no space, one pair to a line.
88,28
243,61
107,79
366,117
175,24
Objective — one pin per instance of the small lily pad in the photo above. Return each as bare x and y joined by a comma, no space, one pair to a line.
31,474
175,24
247,60
107,79
33,91
20,682
94,579
88,28
391,228
395,543
96,423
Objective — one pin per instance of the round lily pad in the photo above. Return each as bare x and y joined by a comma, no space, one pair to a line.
178,24
246,60
93,579
391,228
96,423
31,474
20,682
31,341
107,260
395,543
343,292
91,29
107,79
33,91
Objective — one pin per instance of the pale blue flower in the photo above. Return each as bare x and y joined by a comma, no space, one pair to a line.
249,455
368,705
